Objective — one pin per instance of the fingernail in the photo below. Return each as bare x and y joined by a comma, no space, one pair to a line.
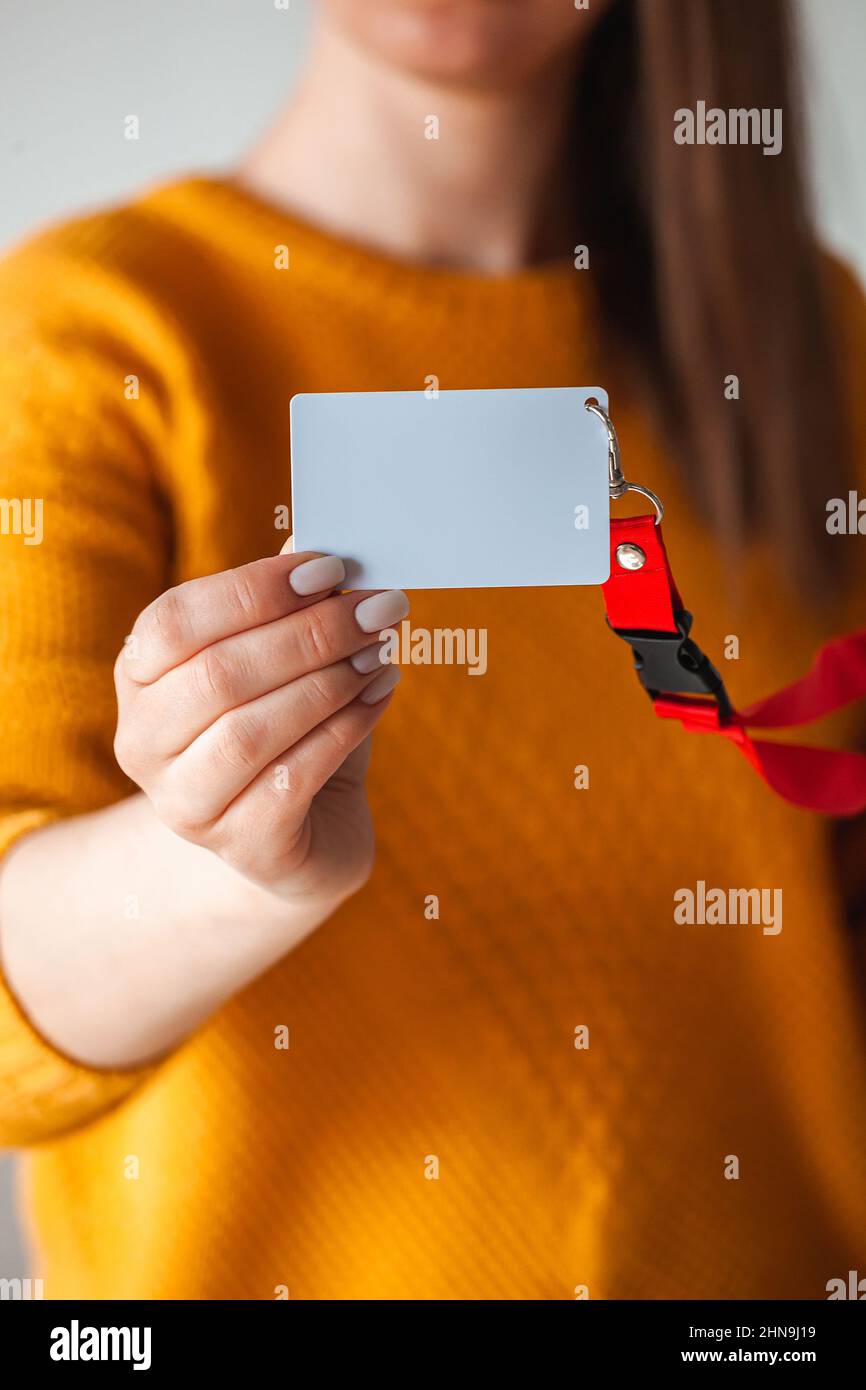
381,610
287,546
314,576
380,687
368,659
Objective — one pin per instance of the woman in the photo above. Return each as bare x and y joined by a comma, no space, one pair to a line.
497,1066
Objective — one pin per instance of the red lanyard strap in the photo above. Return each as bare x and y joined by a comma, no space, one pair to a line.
645,609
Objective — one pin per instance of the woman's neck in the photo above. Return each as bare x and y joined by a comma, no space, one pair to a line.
472,179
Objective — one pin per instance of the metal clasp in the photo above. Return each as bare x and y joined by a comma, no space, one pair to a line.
617,483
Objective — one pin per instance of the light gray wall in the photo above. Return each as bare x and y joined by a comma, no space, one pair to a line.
203,76
833,34
14,1263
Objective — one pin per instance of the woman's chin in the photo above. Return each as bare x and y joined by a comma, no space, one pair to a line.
471,43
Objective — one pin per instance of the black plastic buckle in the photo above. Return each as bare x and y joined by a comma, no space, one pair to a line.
671,663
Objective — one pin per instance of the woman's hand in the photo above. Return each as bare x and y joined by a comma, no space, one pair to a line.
245,704
246,700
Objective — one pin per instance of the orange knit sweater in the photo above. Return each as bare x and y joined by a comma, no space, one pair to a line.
148,358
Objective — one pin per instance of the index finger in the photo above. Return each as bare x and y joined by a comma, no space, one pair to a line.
186,619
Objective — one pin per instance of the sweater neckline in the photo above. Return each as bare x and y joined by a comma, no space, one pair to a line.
356,268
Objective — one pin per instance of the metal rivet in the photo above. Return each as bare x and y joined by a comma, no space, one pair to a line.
630,556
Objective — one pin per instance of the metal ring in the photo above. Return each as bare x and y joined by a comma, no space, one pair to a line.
651,497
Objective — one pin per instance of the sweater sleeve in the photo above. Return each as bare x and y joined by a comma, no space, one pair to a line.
85,544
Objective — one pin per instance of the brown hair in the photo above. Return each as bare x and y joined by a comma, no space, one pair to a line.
705,264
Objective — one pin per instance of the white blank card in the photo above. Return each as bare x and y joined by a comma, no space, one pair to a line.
462,489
